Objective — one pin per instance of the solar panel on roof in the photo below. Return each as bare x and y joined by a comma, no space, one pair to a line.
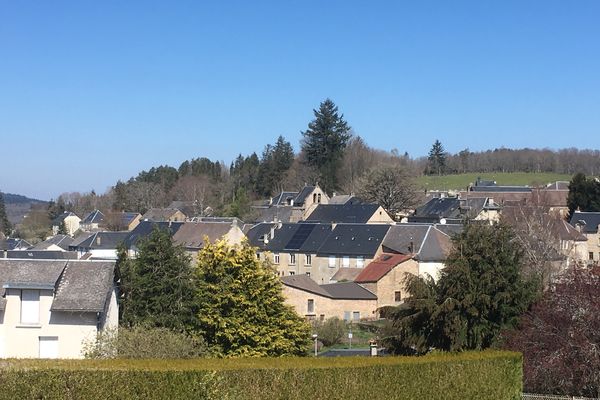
303,232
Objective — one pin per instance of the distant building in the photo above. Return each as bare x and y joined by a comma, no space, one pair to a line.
71,222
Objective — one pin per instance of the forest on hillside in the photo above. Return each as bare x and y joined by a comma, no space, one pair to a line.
329,153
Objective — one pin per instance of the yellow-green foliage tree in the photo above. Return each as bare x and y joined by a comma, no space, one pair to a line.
242,309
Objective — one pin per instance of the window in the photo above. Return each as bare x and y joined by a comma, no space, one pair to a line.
292,259
398,296
292,273
356,316
360,262
276,258
332,261
30,306
347,316
346,262
319,198
311,306
322,317
308,260
48,346
308,274
591,255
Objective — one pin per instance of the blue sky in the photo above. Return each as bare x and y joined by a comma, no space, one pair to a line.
92,92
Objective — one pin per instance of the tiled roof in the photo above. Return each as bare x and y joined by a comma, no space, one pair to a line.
378,268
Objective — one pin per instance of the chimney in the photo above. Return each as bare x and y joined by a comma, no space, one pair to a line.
266,238
279,224
98,240
272,235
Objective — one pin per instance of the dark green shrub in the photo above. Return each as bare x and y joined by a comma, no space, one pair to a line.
471,375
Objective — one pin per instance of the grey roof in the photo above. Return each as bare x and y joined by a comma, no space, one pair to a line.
341,291
425,241
589,221
524,189
160,214
290,237
344,199
84,286
192,234
144,229
256,234
451,208
348,291
284,198
301,198
274,213
61,217
62,241
30,273
189,208
100,240
450,229
42,254
343,213
14,243
354,239
95,217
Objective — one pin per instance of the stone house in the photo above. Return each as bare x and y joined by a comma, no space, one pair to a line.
348,301
71,221
588,223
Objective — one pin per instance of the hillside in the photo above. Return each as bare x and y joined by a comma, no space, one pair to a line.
462,181
17,206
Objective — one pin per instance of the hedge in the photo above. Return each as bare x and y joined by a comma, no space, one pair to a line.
470,375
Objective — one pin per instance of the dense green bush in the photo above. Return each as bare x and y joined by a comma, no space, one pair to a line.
470,375
331,331
145,342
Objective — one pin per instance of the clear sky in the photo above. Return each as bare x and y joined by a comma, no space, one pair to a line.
95,91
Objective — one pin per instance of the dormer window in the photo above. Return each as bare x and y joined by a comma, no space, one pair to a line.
319,198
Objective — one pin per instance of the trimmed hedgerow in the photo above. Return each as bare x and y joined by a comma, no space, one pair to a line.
470,375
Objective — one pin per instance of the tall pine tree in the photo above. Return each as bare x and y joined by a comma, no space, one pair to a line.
437,159
324,143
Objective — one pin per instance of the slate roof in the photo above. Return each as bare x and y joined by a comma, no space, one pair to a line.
14,243
95,217
589,221
449,208
144,229
354,239
340,291
62,241
495,189
160,214
256,234
344,199
378,268
60,218
189,208
29,273
343,213
100,240
348,291
450,229
269,214
42,254
426,242
84,286
304,193
191,234
283,198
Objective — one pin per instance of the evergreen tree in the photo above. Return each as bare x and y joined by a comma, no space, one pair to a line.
276,160
5,226
157,286
324,143
242,311
437,158
62,228
584,194
480,292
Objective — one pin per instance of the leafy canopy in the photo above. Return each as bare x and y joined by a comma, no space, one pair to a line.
241,307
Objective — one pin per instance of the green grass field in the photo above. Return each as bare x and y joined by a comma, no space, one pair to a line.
462,181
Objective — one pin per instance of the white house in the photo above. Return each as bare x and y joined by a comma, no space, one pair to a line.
49,309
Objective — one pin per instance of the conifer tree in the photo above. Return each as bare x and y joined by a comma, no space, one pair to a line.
157,286
437,158
241,309
5,226
324,143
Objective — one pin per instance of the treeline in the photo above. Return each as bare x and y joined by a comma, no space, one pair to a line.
328,154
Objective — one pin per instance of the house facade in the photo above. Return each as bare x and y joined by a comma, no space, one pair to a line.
588,223
50,309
